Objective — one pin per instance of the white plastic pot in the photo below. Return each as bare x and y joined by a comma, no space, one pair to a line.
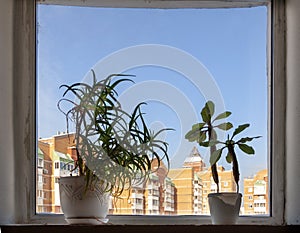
82,206
224,207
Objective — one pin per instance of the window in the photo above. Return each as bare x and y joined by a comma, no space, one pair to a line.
272,113
40,162
185,33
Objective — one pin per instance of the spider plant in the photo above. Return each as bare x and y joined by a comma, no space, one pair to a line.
205,132
113,147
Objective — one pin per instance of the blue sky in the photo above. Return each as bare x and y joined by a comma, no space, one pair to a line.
229,44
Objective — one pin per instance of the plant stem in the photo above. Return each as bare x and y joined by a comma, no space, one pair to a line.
235,166
214,169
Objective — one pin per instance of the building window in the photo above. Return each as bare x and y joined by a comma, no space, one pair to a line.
40,162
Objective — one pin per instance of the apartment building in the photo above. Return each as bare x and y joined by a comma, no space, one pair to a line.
180,191
226,184
256,198
54,159
153,197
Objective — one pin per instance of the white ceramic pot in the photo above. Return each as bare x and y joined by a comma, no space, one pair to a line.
224,207
82,206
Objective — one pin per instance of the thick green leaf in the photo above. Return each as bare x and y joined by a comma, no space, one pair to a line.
247,149
202,137
205,115
223,115
210,107
215,156
198,126
239,129
209,143
205,144
225,126
193,135
228,158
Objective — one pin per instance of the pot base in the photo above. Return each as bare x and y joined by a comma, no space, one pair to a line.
86,221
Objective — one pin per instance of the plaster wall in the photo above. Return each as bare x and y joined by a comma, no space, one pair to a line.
293,112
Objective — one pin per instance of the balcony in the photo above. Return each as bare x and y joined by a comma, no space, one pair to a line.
137,196
136,206
261,210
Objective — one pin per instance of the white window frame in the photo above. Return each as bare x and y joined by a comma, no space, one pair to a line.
25,101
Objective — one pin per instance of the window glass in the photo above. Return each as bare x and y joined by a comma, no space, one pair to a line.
180,58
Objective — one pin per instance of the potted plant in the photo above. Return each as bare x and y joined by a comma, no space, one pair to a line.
224,207
114,149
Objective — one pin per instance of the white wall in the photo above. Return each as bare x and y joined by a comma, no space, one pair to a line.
6,110
293,113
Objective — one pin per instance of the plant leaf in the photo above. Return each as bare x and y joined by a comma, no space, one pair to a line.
247,149
198,126
239,129
215,156
193,135
224,126
205,115
205,144
247,139
202,136
228,158
209,143
223,115
210,107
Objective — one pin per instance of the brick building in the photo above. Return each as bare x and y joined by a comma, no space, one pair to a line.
256,198
54,159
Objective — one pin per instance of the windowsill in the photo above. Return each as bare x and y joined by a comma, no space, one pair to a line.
147,228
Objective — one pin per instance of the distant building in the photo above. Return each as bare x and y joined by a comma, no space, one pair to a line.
54,159
195,161
180,191
226,184
154,197
256,198
183,179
